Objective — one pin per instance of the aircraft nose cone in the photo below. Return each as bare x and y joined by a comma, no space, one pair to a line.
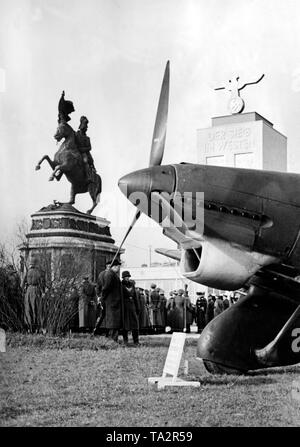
123,184
139,185
157,178
135,182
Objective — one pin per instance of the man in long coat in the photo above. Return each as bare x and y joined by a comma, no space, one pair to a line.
34,284
14,291
163,308
155,308
201,306
176,314
210,310
100,309
131,309
219,306
111,291
144,321
171,310
226,302
87,304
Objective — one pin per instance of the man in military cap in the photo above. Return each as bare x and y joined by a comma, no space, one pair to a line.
187,309
201,306
176,314
163,308
155,308
131,309
112,297
144,321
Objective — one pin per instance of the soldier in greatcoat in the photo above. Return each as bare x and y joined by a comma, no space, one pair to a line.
155,308
201,306
112,297
163,308
219,305
34,284
188,312
175,313
131,309
226,303
180,313
210,310
144,321
171,311
100,309
87,304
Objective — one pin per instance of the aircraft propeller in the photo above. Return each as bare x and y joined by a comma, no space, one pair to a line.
158,139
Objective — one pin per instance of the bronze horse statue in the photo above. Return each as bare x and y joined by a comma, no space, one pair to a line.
68,160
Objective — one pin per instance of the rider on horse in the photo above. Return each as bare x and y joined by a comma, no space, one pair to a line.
82,140
73,157
84,146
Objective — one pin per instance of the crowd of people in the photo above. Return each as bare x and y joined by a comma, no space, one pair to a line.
112,306
207,309
116,306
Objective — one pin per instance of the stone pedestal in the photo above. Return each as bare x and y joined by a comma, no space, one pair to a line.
65,240
245,140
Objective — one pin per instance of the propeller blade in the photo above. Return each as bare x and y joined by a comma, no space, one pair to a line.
137,215
160,127
158,139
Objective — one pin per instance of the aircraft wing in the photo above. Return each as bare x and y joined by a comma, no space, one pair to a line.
173,254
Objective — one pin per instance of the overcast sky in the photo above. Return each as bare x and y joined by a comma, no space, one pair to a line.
109,57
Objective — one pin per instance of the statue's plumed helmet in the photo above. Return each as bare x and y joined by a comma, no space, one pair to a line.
64,108
83,119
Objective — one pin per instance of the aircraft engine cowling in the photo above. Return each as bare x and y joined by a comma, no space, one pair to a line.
222,265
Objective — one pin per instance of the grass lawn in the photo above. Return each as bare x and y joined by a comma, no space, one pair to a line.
86,381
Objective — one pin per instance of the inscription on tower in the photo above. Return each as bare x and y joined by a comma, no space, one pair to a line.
243,141
241,138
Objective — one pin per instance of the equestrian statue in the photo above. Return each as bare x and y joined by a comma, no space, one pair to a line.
73,157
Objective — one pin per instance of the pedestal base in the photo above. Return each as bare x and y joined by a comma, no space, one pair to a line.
61,236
